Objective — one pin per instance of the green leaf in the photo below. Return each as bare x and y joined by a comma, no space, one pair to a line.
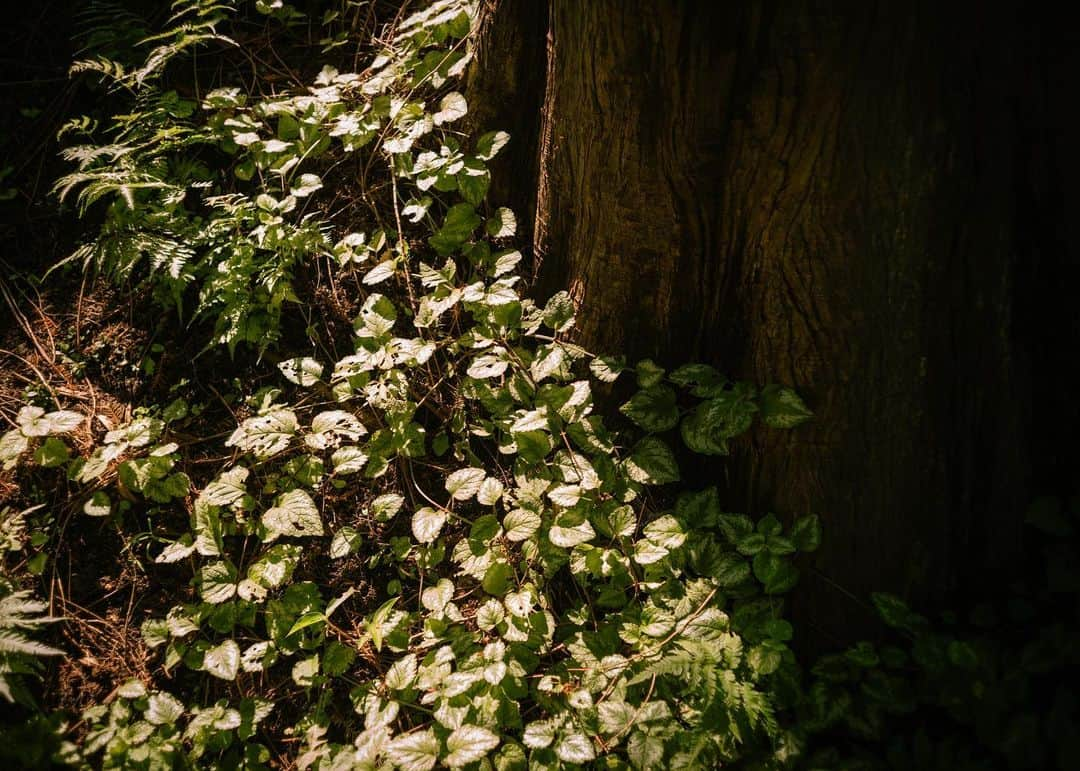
345,542
52,453
559,312
497,578
570,536
490,492
99,505
666,531
484,529
331,427
653,409
487,366
427,523
709,425
378,620
306,185
229,489
520,524
645,750
295,515
401,673
782,408
275,567
1046,515
416,751
652,463
217,582
701,509
461,220
303,371
384,507
473,181
132,689
464,483
896,613
12,445
348,460
265,435
451,107
607,368
701,379
502,224
533,446
766,658
337,659
549,359
649,373
34,421
468,744
163,709
311,618
488,145
305,671
575,748
806,533
223,661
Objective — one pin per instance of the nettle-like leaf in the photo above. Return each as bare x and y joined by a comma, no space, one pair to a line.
265,435
451,108
486,657
330,428
303,371
465,483
652,462
427,523
653,408
163,709
228,489
468,744
217,582
223,661
521,524
12,445
416,751
782,408
294,515
34,421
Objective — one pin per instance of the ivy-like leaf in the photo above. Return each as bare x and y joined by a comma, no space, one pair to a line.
782,408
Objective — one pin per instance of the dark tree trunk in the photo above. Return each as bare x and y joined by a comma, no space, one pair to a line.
825,195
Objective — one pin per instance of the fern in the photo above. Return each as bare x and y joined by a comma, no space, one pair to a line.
20,615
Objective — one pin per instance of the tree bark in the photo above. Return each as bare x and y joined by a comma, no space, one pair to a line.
822,195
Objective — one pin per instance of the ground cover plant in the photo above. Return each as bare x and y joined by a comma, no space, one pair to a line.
415,524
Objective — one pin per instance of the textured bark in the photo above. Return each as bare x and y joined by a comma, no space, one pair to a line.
505,91
822,195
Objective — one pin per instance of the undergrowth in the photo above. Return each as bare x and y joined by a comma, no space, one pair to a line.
424,536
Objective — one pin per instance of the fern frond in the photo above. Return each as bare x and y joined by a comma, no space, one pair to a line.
109,69
21,614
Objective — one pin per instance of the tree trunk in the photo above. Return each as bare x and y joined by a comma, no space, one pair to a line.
817,194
